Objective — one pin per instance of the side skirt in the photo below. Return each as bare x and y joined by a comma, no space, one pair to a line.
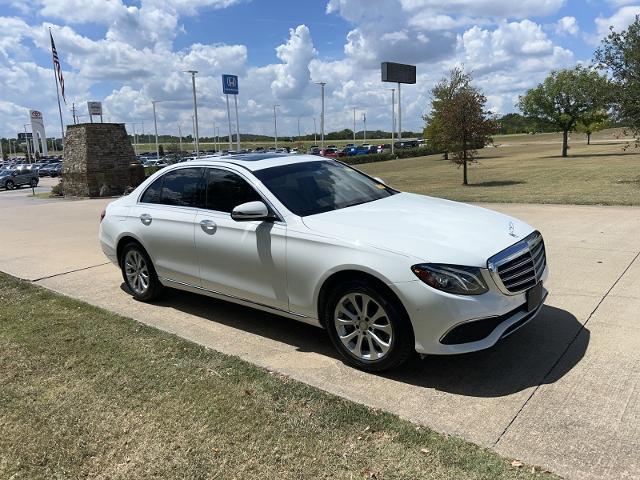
240,301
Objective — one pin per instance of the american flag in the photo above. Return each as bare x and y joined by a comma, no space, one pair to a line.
56,66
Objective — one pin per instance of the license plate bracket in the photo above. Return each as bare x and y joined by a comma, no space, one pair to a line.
534,297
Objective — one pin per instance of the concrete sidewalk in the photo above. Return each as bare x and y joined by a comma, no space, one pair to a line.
562,392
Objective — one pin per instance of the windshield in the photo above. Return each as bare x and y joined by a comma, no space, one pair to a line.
320,186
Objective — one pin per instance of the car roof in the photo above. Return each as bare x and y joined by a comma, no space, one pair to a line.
257,161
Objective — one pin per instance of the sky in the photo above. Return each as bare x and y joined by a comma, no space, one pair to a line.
128,53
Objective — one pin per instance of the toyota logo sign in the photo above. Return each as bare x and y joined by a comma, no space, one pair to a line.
36,114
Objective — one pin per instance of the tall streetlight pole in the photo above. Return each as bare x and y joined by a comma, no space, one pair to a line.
399,114
26,138
275,125
180,133
393,119
195,108
299,136
354,125
215,140
155,124
322,84
315,131
193,129
364,133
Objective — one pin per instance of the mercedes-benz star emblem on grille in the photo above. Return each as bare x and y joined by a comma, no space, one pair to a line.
512,230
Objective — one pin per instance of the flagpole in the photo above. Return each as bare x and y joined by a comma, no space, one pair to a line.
55,76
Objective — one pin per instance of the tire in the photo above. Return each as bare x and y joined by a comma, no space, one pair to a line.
9,185
371,316
138,273
33,183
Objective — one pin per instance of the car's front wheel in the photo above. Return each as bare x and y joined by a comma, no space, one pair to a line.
367,327
9,185
138,273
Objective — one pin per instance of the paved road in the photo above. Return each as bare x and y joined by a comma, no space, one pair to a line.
563,392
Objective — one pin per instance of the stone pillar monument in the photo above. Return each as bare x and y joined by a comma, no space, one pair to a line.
99,161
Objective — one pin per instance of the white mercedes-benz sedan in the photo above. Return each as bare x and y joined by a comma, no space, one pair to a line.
386,273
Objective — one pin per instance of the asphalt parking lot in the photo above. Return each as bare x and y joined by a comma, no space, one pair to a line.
563,392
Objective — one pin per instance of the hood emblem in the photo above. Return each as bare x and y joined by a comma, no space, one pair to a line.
512,230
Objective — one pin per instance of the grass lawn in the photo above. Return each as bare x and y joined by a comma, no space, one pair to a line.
527,169
87,393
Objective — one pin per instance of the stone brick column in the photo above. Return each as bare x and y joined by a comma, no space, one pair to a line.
99,161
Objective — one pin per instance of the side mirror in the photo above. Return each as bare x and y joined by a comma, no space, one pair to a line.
251,211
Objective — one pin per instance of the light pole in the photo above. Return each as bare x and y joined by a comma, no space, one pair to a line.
393,119
180,133
195,108
315,131
299,139
26,138
322,84
399,114
155,124
275,125
364,133
193,129
354,125
215,140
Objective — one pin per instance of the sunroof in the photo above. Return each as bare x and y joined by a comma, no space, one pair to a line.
255,157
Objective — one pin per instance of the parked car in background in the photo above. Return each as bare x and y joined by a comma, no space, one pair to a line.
385,273
330,152
314,150
15,178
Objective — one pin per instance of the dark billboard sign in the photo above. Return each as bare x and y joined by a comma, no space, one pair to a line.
398,72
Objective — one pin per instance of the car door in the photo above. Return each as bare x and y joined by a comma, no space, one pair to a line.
23,176
164,221
245,259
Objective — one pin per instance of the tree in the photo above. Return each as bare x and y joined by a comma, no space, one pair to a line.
442,93
458,122
160,150
620,55
593,122
565,98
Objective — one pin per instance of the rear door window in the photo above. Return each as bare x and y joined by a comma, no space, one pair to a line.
183,187
226,190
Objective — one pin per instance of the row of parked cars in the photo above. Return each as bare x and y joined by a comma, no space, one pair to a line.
351,149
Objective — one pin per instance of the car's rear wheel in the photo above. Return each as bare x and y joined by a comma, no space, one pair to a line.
138,273
9,185
367,327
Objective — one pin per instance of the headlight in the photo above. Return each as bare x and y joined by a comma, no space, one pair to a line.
451,278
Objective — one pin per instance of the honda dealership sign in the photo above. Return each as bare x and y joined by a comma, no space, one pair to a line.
38,134
230,84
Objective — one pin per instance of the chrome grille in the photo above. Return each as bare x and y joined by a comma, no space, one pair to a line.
520,266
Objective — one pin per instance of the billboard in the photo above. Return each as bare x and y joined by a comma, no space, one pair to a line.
37,129
230,84
398,72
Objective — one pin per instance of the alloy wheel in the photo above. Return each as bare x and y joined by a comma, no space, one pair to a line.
363,326
137,272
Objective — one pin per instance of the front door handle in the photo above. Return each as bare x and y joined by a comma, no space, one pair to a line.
146,219
208,226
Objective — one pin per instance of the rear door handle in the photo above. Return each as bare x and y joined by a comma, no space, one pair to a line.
146,219
208,226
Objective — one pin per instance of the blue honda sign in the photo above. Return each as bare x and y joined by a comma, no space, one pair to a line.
230,84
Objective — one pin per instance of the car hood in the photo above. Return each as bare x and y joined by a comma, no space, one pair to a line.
426,228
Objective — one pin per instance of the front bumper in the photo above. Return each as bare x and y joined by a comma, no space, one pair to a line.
445,324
